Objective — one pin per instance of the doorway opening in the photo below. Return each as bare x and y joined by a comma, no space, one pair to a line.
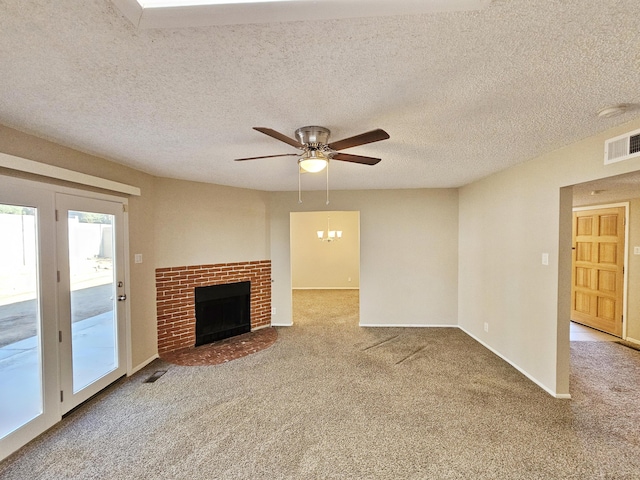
325,265
603,191
610,191
573,340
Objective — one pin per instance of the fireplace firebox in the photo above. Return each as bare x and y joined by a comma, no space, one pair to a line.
222,311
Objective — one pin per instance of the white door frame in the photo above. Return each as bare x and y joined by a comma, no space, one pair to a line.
65,203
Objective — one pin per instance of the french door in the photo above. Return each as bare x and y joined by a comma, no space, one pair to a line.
90,296
28,323
62,297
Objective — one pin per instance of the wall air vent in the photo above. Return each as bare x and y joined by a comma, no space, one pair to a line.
622,148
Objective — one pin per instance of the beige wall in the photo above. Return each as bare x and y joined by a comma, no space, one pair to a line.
199,223
142,287
323,264
408,253
507,221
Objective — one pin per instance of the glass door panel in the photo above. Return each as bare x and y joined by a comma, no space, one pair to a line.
21,392
93,296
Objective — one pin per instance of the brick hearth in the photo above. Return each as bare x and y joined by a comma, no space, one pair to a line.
175,297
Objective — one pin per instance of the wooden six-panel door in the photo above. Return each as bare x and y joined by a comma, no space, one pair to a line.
598,268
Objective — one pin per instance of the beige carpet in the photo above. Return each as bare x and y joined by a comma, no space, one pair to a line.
331,400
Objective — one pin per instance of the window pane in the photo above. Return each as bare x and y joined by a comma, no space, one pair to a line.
20,346
93,296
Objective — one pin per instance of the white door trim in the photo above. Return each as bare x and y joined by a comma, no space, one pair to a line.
65,203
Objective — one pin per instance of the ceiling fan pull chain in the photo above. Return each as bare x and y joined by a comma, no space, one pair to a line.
327,183
299,187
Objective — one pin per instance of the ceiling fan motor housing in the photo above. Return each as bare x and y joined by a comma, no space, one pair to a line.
313,135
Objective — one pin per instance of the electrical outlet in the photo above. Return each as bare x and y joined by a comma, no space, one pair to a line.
349,279
545,259
486,327
636,250
137,258
273,311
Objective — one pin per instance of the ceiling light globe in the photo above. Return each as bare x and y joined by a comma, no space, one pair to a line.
614,110
313,165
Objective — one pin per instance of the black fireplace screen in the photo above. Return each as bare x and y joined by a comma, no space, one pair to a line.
222,311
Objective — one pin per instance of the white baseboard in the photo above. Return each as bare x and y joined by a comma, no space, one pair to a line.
400,325
142,365
564,396
632,340
325,288
273,324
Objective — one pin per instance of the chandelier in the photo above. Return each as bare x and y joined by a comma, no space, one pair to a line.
332,235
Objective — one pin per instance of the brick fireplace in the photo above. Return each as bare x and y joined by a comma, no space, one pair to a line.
175,298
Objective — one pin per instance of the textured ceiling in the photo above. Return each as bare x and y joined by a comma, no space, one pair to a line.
607,190
462,94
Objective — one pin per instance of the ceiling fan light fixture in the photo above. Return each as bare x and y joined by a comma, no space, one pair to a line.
313,161
614,110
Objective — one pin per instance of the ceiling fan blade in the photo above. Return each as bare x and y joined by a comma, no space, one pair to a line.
362,139
346,157
279,136
268,156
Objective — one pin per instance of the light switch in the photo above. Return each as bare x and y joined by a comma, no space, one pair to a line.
545,259
137,258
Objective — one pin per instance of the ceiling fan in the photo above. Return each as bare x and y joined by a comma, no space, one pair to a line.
316,149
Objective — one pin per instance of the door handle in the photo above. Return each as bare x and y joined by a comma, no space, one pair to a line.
122,298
